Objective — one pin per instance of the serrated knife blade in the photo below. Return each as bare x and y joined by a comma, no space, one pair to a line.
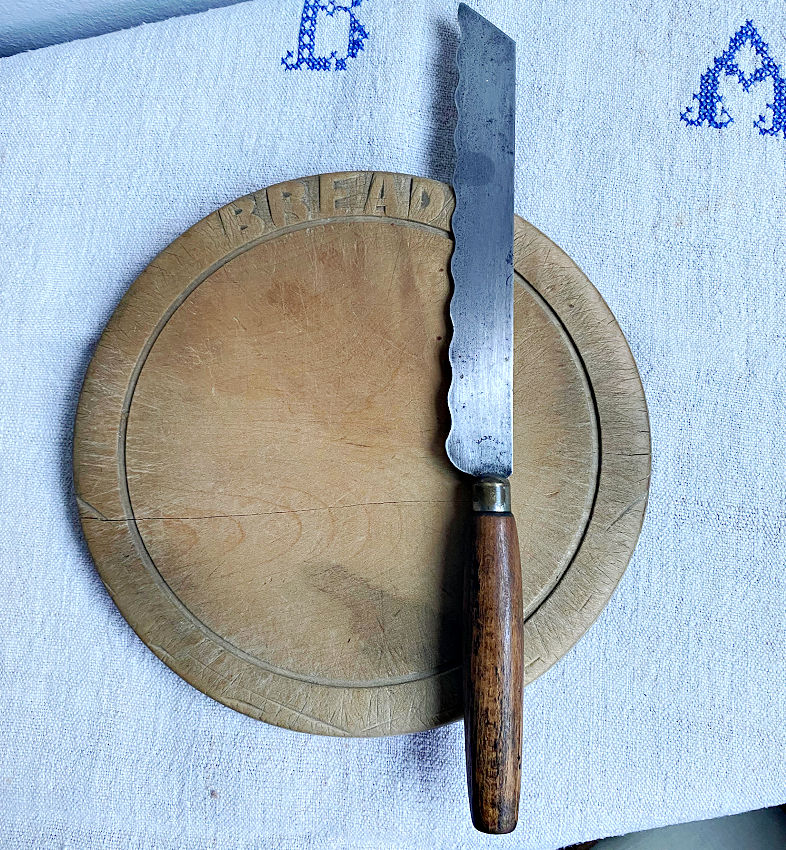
481,390
480,442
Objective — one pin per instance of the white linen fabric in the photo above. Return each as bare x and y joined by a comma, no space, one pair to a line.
673,707
25,25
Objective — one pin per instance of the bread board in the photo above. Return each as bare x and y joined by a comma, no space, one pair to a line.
259,455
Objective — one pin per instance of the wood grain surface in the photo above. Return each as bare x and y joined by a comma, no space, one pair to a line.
493,674
260,467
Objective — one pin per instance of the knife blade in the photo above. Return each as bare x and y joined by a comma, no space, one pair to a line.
480,399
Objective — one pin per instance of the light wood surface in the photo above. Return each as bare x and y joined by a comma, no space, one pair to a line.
260,466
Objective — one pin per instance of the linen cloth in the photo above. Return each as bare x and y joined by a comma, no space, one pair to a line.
672,707
25,25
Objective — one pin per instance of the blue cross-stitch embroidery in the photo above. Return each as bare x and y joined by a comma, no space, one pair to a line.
711,109
307,36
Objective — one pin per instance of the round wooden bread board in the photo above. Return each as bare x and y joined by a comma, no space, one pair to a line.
260,466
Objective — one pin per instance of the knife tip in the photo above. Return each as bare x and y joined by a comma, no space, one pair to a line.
469,18
464,10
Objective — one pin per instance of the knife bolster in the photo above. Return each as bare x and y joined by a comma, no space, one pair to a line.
491,495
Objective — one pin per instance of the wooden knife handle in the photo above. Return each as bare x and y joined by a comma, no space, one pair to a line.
493,668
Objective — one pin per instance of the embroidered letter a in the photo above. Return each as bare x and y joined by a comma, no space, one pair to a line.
710,101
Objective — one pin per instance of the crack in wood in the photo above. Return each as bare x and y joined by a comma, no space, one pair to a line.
134,518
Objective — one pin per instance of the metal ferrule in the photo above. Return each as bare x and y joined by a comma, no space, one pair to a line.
491,495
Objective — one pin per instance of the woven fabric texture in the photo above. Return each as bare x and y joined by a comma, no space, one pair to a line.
673,706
